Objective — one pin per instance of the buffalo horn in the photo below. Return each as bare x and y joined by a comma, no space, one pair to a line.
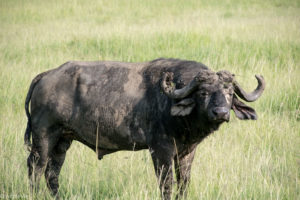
249,97
169,89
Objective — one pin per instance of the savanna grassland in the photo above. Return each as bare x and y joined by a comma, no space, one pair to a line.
243,160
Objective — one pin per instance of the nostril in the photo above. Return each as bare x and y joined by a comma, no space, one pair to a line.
215,112
220,111
219,114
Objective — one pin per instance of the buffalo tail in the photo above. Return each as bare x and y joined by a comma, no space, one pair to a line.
27,101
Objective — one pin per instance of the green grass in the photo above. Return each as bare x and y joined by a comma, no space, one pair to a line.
243,160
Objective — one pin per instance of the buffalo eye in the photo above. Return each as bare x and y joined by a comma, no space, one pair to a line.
229,92
203,94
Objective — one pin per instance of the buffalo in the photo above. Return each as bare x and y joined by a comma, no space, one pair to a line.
166,105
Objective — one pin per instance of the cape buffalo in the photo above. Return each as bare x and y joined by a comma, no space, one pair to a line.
167,106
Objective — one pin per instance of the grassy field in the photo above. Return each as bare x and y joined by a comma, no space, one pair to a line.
243,160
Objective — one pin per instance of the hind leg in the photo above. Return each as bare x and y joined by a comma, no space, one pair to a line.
42,144
56,160
31,164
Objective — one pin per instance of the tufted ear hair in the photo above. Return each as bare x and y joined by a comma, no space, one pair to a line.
183,107
241,110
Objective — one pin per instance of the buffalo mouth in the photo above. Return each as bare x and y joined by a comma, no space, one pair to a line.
219,121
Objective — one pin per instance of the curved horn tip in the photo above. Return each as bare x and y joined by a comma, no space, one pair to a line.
253,96
259,76
260,79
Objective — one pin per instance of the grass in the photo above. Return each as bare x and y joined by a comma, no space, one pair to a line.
243,160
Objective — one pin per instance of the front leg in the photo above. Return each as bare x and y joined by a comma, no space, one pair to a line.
162,159
183,164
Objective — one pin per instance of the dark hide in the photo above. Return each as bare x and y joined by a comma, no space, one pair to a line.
113,106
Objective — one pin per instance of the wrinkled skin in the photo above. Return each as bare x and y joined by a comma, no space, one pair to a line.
167,106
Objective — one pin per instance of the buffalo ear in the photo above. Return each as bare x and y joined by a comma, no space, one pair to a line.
241,110
183,107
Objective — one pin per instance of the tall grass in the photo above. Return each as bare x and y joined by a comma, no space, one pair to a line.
243,160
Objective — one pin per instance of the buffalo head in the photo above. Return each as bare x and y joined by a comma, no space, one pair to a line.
212,95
